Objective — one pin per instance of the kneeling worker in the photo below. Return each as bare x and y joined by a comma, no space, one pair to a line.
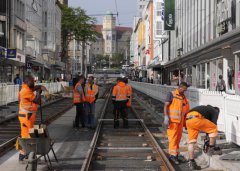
202,118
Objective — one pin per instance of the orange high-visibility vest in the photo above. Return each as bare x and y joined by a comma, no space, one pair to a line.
90,94
25,104
178,108
120,92
76,96
129,103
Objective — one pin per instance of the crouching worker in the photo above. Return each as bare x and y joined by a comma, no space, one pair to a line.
28,105
202,118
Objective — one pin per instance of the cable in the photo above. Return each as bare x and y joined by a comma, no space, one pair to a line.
117,12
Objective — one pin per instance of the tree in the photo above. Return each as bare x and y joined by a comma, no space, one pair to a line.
79,26
117,60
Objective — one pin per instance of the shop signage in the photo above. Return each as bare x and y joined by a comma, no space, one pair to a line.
11,53
238,82
169,15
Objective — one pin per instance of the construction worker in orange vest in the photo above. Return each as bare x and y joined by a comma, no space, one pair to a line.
78,100
129,103
202,118
175,108
120,97
28,105
91,95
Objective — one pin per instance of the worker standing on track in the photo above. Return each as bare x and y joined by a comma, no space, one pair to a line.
91,94
202,118
120,97
175,108
129,103
28,105
78,100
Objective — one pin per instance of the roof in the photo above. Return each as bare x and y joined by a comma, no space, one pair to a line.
118,28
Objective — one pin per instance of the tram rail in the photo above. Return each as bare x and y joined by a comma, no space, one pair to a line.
124,149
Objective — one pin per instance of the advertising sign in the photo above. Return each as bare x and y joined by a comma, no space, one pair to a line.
169,15
11,53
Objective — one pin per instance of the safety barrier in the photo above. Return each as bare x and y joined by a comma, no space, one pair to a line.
229,116
9,93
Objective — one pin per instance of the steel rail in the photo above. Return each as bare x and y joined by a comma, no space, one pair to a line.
87,161
154,143
93,146
8,145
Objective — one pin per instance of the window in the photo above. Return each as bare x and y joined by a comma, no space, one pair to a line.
159,28
45,38
19,40
45,19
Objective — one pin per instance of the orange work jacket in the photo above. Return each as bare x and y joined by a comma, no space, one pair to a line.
120,92
129,103
90,94
26,96
76,96
178,108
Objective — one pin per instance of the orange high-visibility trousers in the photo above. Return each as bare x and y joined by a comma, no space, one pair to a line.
197,124
26,121
174,133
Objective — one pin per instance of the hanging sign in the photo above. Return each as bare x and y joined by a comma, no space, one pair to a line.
169,15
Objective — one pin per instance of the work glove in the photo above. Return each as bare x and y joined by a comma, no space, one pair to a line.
166,120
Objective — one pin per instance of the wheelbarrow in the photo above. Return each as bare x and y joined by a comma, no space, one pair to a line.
34,147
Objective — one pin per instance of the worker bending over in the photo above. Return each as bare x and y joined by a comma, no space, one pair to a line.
202,118
120,97
78,100
175,108
91,95
28,105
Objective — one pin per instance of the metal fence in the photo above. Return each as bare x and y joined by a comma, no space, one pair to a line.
9,93
229,117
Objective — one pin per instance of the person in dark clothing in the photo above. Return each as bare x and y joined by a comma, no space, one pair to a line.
202,118
17,80
78,100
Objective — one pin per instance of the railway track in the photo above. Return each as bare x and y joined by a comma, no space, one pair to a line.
124,149
10,129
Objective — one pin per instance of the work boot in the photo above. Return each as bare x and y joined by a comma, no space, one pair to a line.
193,165
214,151
181,158
174,159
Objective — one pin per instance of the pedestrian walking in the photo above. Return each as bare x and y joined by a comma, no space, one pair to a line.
202,118
17,80
221,85
120,97
28,105
78,100
91,94
175,108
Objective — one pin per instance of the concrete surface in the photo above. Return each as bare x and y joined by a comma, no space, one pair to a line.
70,145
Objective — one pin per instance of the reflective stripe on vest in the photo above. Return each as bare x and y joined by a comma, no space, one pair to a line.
76,96
91,93
23,108
119,96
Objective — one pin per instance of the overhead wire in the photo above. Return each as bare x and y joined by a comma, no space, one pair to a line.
117,12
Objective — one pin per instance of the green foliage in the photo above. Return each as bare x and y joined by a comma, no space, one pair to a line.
117,60
76,23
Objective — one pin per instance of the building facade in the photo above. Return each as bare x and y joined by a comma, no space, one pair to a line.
203,45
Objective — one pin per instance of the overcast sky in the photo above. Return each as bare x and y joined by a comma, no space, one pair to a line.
126,9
